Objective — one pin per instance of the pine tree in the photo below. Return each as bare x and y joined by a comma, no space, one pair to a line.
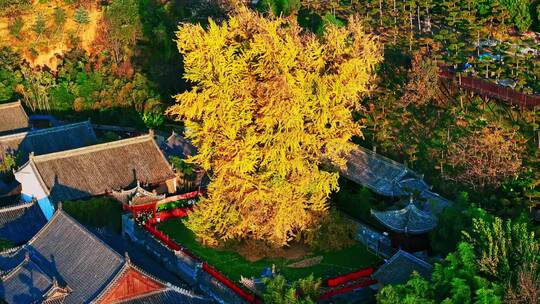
59,15
81,17
39,26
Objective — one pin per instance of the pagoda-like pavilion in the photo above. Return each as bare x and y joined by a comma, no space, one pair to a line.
138,200
408,226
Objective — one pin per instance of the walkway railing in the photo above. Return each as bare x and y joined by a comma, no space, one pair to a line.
493,90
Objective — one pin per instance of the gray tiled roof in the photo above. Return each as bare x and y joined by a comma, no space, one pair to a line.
66,250
77,259
20,222
410,219
389,178
398,269
380,174
49,140
27,283
13,118
11,258
177,145
137,256
97,169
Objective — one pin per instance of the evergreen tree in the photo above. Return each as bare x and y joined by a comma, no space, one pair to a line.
39,26
81,17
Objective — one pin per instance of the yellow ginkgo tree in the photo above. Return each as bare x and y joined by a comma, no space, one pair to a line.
269,102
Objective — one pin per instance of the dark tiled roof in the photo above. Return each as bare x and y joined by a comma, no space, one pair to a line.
81,263
66,250
95,170
168,296
138,257
378,173
398,269
387,177
410,219
13,118
20,222
11,258
27,283
49,140
177,145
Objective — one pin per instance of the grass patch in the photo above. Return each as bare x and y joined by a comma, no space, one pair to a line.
96,212
233,265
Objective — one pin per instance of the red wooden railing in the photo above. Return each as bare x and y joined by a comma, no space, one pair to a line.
223,279
336,292
493,90
162,237
353,276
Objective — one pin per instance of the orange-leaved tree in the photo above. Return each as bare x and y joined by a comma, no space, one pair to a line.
269,101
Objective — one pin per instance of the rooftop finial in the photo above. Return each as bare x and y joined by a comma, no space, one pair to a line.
151,132
59,206
26,256
126,255
31,155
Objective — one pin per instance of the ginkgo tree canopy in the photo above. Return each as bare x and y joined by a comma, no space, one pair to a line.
269,101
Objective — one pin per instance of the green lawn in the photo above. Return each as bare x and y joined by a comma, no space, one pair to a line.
233,265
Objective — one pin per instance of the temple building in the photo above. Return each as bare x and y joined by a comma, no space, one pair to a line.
48,140
13,118
398,269
66,263
19,222
408,226
388,177
94,171
177,145
136,196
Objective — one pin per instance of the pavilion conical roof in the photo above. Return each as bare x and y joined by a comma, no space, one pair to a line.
410,219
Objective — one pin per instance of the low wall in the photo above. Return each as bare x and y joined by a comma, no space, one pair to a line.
180,262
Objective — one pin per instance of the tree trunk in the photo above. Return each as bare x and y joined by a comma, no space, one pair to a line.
418,18
380,13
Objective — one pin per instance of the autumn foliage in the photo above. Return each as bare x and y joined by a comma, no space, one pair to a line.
269,101
486,157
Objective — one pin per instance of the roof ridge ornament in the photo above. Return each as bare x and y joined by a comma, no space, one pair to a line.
128,259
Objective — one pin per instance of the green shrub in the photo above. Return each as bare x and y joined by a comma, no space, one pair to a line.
96,212
304,291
